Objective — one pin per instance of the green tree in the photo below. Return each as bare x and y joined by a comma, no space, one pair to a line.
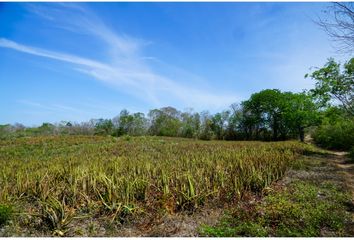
104,127
276,115
300,112
263,112
205,131
252,121
334,83
45,129
190,124
233,130
139,125
122,123
219,124
164,122
131,124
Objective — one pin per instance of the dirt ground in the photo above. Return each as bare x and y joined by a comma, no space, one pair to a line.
334,167
346,168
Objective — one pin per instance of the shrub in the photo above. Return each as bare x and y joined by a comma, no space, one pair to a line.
5,214
351,154
339,135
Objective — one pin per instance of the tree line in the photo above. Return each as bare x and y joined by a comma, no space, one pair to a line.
267,115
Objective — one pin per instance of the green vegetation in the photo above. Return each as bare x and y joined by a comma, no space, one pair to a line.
304,209
351,154
5,214
275,115
334,83
61,178
267,115
337,135
335,86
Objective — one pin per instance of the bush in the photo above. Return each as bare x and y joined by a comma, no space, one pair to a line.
339,135
5,214
351,154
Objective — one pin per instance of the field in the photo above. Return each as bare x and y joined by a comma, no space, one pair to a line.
53,183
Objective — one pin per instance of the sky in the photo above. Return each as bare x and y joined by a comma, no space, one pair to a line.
78,61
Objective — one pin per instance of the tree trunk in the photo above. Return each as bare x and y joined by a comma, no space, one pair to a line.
302,134
275,130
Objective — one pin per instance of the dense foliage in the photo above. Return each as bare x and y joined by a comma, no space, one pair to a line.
271,114
334,91
336,130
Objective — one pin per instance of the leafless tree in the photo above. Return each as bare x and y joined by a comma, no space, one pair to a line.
338,23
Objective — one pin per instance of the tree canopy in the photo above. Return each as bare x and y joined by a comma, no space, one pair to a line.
334,82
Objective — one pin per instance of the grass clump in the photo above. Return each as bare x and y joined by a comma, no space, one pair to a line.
5,214
351,155
246,229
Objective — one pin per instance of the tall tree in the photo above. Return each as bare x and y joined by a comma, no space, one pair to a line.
264,111
131,124
205,131
164,121
190,124
234,122
219,124
332,82
300,112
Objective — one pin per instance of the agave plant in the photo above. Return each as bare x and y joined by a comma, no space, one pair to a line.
72,176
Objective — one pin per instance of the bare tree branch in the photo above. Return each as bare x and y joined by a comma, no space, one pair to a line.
340,25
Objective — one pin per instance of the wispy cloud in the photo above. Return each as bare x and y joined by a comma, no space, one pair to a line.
125,67
50,54
79,111
49,107
36,105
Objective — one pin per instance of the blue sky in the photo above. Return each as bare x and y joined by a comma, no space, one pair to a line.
77,61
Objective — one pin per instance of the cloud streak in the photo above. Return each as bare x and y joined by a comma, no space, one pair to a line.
125,67
50,107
